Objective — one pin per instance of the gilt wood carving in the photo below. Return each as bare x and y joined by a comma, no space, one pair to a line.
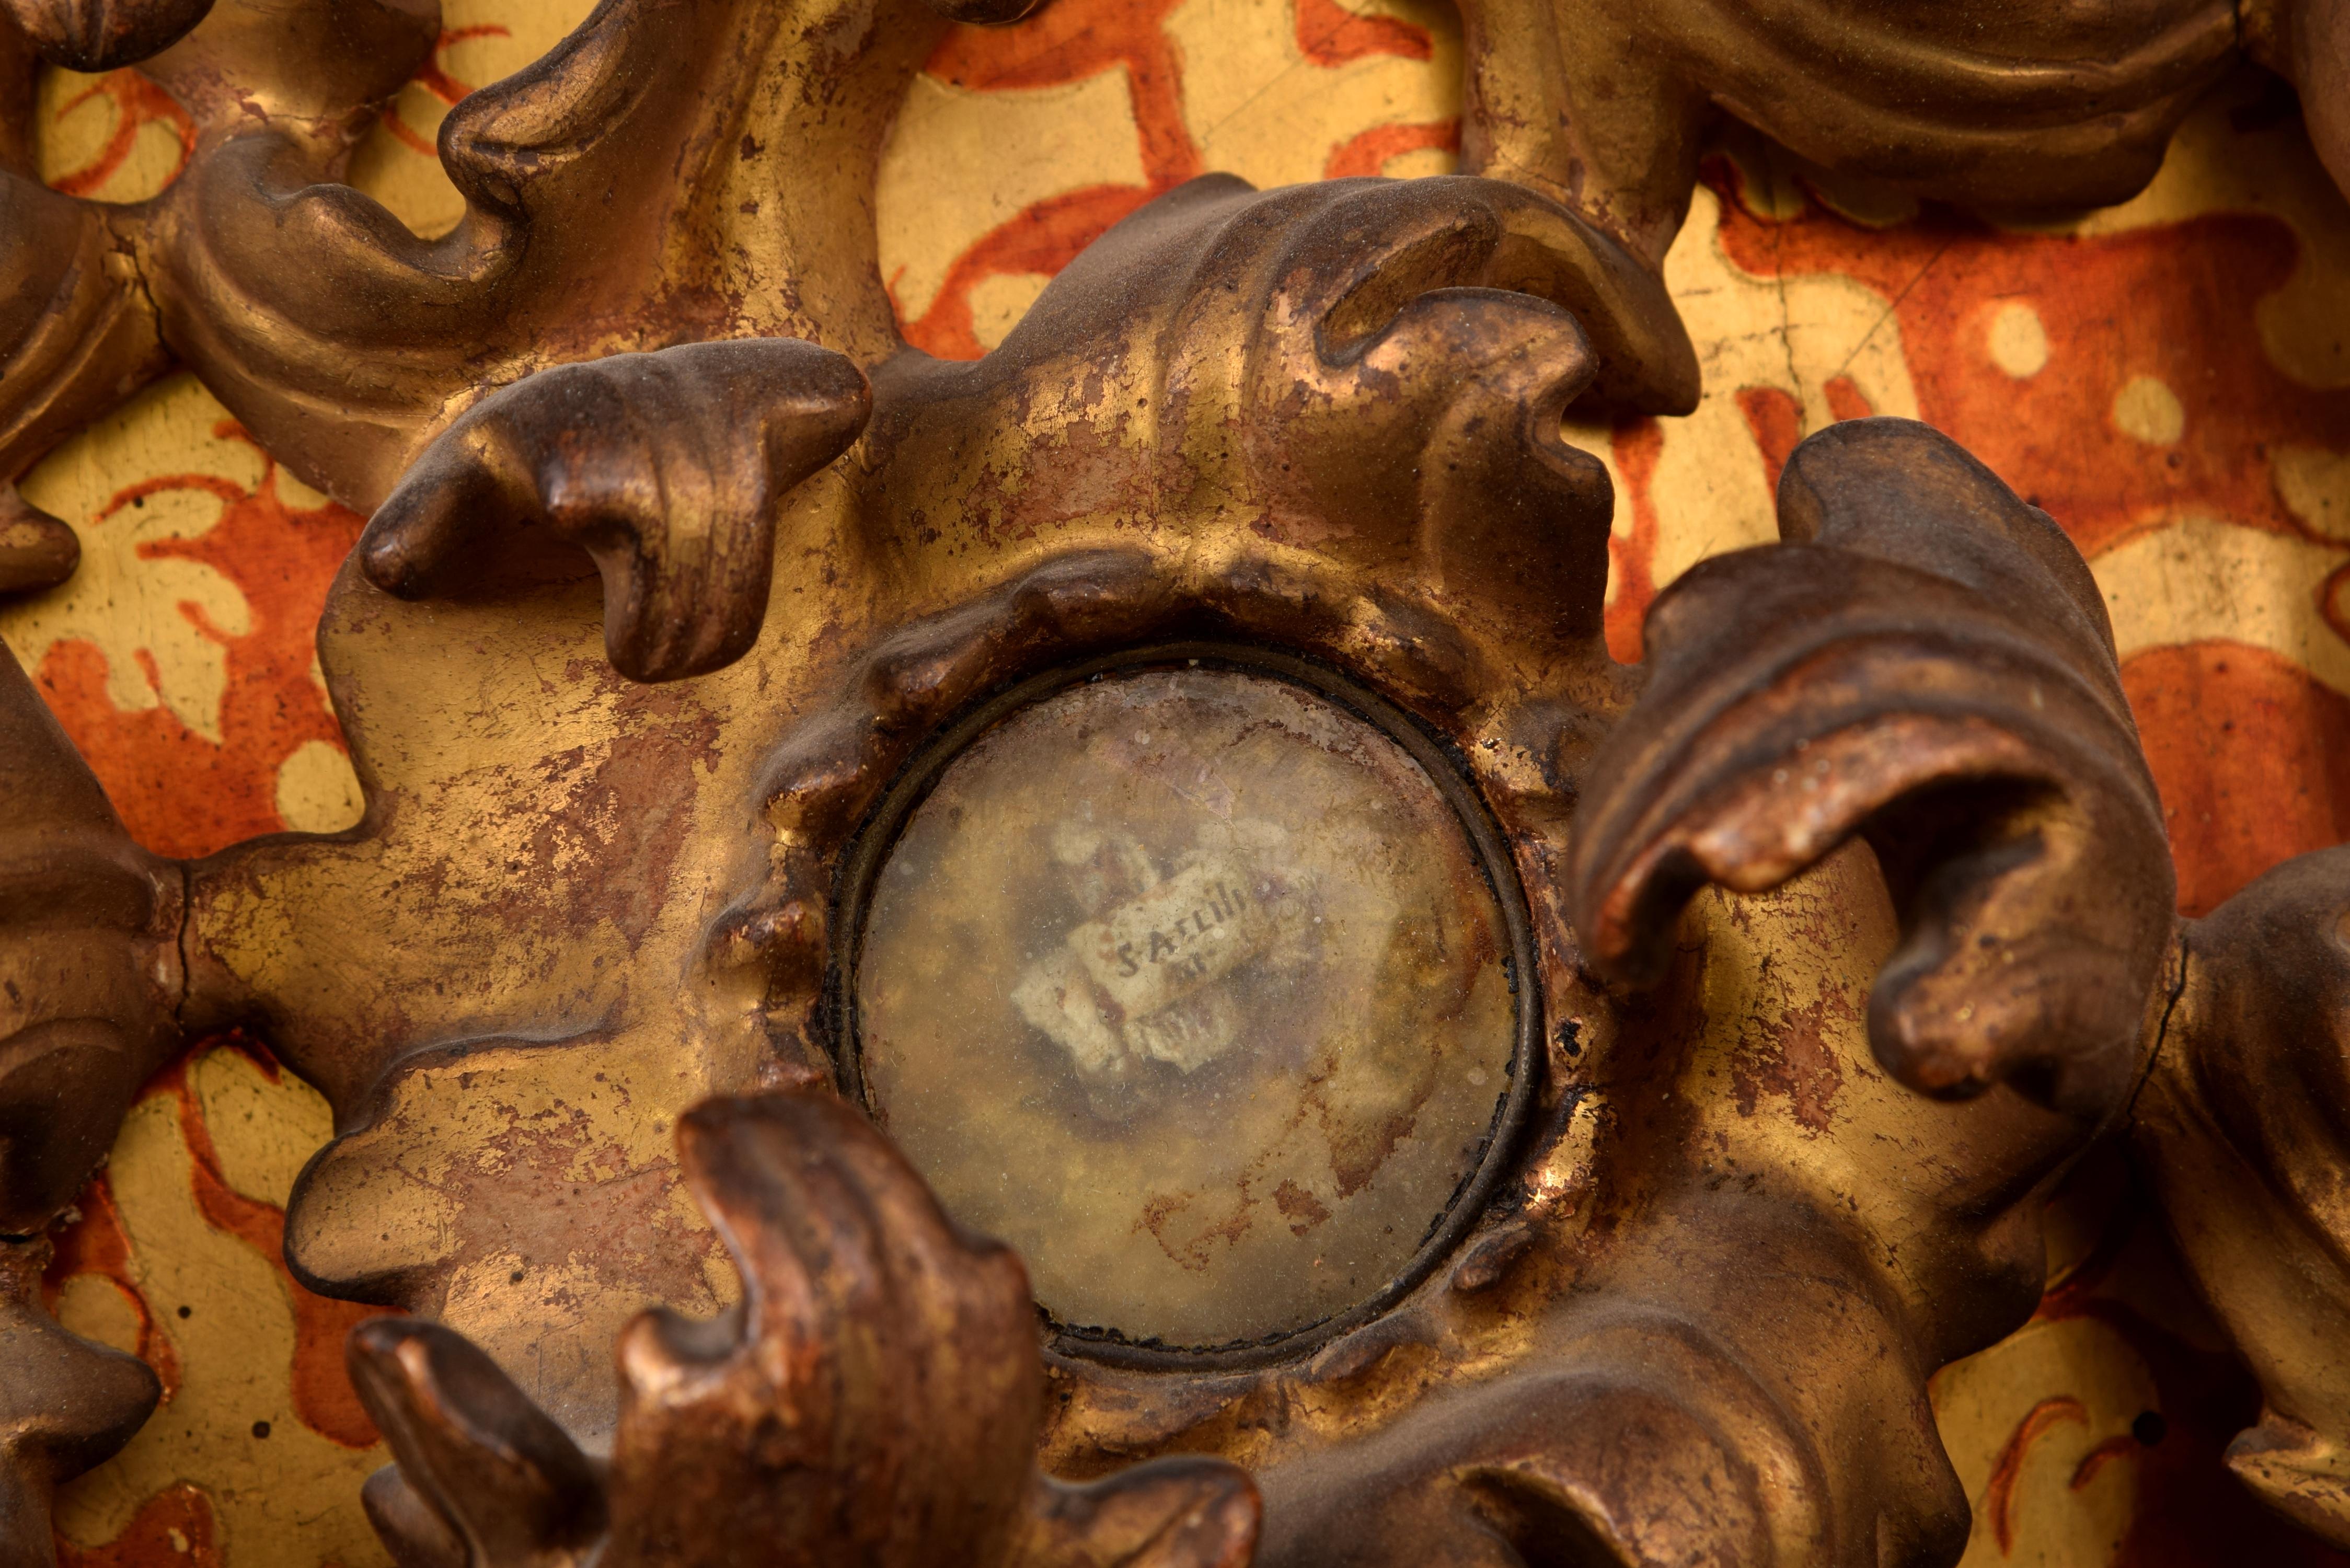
692,600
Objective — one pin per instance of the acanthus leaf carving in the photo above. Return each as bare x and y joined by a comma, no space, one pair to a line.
873,1398
1870,821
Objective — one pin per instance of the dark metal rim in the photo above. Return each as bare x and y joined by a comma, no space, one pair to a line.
1446,769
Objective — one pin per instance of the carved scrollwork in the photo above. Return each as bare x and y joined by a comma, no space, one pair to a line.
64,1404
2241,1129
2039,104
669,468
1825,940
91,991
1567,1283
874,1398
1926,662
36,551
2303,41
100,35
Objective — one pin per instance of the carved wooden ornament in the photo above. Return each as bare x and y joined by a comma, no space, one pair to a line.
1157,796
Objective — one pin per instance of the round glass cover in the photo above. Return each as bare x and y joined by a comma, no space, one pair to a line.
1189,983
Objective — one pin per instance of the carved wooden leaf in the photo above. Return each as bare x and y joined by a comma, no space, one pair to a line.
874,1400
1925,663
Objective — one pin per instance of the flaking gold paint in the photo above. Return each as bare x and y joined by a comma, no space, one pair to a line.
1713,495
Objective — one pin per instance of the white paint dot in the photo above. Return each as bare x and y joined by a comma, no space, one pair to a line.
2018,342
316,791
2149,411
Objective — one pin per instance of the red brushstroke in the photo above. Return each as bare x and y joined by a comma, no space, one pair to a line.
321,1393
1074,40
434,79
2252,754
323,1399
146,1541
1845,399
2189,1512
1043,239
1775,420
1070,42
1370,152
2247,748
1632,557
2098,1457
2007,1469
1065,43
2173,301
97,1244
136,102
1330,34
180,793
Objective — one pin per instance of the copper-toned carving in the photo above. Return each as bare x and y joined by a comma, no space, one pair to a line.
2241,1128
1602,101
874,1398
2308,42
1926,661
94,35
1797,962
678,513
89,995
64,1404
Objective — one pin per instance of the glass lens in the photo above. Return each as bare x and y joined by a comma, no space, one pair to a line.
1187,983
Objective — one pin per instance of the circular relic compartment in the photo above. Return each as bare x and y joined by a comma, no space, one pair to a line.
1192,974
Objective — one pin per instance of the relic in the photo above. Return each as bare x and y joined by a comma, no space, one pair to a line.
1157,796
